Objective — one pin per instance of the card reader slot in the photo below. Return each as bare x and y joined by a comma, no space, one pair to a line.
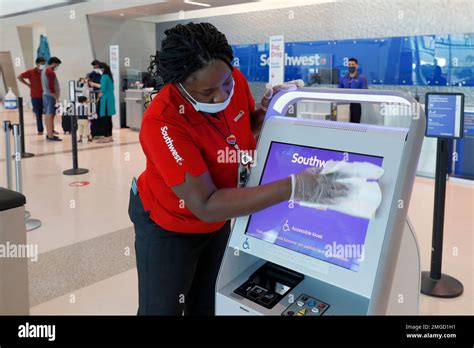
268,284
284,275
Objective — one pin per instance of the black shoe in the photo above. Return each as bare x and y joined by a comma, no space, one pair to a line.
55,133
54,138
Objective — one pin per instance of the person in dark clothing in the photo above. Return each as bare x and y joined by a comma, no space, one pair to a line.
107,103
179,247
353,79
95,74
93,80
438,79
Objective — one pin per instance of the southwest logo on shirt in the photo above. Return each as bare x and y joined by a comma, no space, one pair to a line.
169,142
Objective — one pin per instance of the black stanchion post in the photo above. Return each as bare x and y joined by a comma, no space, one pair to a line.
24,154
8,153
439,206
435,283
75,163
75,170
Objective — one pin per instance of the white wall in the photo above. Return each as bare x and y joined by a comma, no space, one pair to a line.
137,40
68,35
64,34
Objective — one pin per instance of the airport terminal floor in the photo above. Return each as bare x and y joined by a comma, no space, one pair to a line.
86,242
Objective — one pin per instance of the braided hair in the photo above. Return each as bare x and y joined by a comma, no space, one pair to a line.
188,48
153,67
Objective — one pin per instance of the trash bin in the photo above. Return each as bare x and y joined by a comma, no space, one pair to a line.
14,291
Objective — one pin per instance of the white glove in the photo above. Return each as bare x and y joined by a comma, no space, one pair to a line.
272,90
340,186
313,187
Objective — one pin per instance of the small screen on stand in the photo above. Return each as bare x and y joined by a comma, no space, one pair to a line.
445,115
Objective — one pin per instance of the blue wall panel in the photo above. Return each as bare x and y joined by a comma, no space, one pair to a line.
446,60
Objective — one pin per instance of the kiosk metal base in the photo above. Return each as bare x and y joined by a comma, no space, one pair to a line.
76,171
32,224
446,287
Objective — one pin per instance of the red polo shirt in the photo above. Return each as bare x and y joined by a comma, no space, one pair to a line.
34,76
177,139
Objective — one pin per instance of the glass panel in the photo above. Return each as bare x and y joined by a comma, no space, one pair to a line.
429,60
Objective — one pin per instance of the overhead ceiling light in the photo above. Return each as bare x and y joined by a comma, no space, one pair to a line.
121,15
196,3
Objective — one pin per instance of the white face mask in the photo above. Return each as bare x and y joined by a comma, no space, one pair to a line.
42,66
56,68
212,108
97,71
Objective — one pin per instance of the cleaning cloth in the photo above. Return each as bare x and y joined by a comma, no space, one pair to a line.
364,195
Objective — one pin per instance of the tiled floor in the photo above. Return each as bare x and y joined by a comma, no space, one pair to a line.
458,250
76,215
73,214
117,295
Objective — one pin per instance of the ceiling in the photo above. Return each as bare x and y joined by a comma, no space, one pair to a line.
166,7
11,8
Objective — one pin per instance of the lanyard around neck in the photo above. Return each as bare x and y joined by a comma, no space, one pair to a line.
231,139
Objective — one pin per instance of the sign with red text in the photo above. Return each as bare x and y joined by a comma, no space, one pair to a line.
277,60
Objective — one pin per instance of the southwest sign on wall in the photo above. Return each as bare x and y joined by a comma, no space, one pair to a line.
429,60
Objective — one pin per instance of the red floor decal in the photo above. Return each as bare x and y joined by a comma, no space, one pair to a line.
79,183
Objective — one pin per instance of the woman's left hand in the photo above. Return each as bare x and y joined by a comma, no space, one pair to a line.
272,90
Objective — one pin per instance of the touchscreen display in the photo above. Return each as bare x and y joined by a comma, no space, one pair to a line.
327,235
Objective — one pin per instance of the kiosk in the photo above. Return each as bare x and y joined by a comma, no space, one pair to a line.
294,260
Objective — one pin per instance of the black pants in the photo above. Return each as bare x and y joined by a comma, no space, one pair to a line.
96,129
177,272
105,125
356,112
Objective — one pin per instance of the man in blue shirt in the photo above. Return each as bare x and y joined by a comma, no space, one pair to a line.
354,80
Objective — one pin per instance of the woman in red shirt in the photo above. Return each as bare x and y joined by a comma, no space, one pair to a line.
187,194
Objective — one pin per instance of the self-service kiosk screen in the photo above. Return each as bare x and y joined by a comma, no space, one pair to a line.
327,235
